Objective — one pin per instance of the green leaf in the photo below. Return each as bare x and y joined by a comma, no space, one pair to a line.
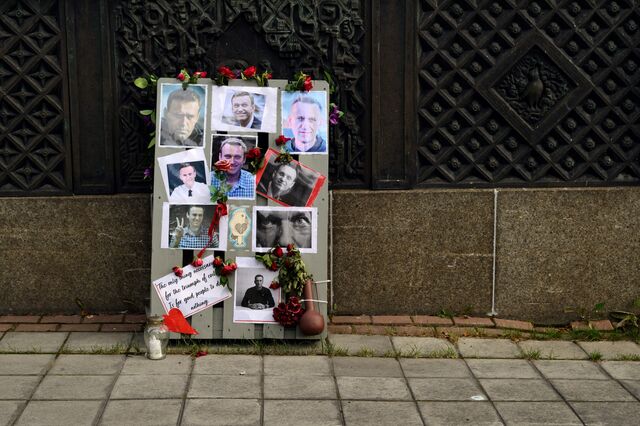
153,117
141,82
146,111
152,142
599,307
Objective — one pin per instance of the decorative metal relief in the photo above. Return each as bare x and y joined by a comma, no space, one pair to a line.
286,36
532,92
32,135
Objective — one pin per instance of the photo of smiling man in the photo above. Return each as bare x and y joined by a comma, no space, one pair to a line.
244,109
242,182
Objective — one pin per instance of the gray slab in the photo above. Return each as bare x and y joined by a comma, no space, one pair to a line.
169,386
553,349
373,388
87,342
74,387
221,412
632,386
210,386
629,370
476,413
310,387
172,364
611,350
566,369
448,389
537,413
229,365
360,344
367,413
9,411
302,413
429,347
519,390
422,367
18,387
608,413
502,369
87,364
366,367
25,364
591,390
470,347
32,342
297,366
48,413
145,412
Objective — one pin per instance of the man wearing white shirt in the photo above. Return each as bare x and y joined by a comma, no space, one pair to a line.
190,191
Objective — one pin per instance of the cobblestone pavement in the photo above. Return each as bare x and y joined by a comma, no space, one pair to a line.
61,378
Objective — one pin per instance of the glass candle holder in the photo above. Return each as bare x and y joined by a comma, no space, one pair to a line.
156,338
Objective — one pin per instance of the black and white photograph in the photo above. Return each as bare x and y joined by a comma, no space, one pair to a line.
182,115
234,148
288,184
304,120
253,299
245,109
185,176
186,226
281,226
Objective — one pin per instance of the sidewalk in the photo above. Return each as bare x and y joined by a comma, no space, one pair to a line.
97,378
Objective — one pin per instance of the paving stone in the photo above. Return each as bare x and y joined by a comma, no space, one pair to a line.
343,319
373,329
611,350
391,320
5,327
553,349
339,329
513,324
301,412
355,343
373,388
87,364
591,390
444,332
221,412
18,387
19,318
601,325
94,342
502,369
121,327
366,367
147,412
9,411
48,413
412,330
431,320
455,413
229,365
430,347
172,364
438,389
170,386
632,386
35,327
61,319
473,322
470,347
564,369
297,366
102,319
519,390
629,370
25,364
422,367
74,387
135,318
367,413
79,327
313,387
206,386
579,325
537,413
608,413
32,342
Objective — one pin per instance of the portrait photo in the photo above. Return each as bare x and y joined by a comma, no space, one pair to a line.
253,299
288,184
185,227
234,148
185,176
182,115
284,225
239,227
244,109
305,121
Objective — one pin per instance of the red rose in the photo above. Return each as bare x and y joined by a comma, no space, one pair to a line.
197,262
274,285
222,165
278,251
180,77
253,153
226,270
290,247
234,266
202,74
249,72
217,262
226,71
268,76
274,266
307,85
177,271
282,140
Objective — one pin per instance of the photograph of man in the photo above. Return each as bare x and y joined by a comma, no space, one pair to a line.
190,230
182,115
193,188
285,225
304,121
241,181
244,109
258,297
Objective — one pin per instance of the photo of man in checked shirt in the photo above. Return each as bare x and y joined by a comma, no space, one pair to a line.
191,230
243,183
